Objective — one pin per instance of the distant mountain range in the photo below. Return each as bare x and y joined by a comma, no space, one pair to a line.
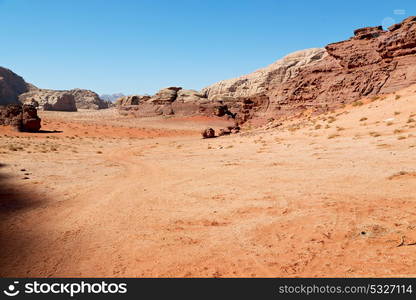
112,97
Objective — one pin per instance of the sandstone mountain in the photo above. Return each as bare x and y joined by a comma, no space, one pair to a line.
87,99
226,95
14,90
259,81
11,86
372,62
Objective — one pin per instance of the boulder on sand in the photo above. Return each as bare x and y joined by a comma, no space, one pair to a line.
20,117
30,119
208,133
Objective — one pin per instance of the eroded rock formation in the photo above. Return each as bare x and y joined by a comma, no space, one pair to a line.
372,62
238,98
86,99
175,101
20,117
50,100
131,100
259,81
14,90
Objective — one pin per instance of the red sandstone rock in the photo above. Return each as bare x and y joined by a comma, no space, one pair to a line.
20,117
372,62
30,119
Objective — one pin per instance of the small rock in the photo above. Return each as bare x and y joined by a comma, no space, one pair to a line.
208,133
224,131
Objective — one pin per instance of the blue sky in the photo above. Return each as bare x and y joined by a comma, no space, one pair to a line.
140,46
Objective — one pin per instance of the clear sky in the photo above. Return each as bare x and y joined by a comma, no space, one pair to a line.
139,46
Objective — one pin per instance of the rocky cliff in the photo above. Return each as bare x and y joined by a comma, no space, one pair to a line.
11,86
372,62
259,81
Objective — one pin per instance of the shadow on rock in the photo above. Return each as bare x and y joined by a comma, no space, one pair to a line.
50,131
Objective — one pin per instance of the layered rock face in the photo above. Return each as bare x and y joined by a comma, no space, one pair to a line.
165,96
189,96
50,100
11,86
259,81
21,117
86,99
372,62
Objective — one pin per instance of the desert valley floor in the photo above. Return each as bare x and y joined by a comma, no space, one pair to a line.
99,194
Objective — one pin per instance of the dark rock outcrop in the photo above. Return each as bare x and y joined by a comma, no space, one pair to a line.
11,115
30,119
208,133
20,117
11,86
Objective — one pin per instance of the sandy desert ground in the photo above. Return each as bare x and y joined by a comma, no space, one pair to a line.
98,194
